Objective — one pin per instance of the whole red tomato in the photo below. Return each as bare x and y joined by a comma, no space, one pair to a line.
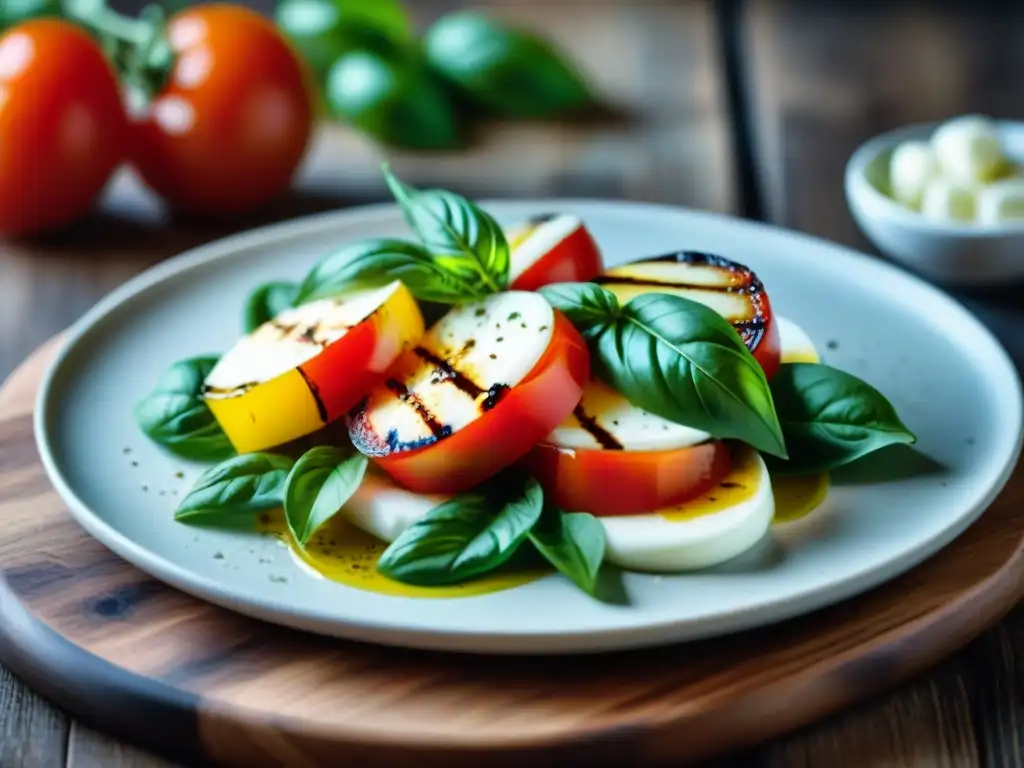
228,129
62,125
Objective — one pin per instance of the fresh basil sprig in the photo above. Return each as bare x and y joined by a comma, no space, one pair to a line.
830,418
508,71
468,535
374,262
266,301
246,484
463,239
175,415
675,358
321,482
573,542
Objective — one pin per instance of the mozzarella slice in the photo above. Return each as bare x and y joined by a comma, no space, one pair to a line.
606,419
727,287
794,343
463,366
727,521
535,238
295,336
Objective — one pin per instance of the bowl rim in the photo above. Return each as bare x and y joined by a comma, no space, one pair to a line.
861,194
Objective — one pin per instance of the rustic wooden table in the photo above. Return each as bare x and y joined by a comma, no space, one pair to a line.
812,81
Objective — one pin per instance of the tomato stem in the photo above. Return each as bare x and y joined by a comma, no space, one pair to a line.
138,48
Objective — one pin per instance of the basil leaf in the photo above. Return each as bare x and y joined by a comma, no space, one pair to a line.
468,535
393,99
589,307
684,362
675,358
16,11
266,301
573,542
830,418
463,239
321,482
175,415
323,30
246,484
369,263
505,70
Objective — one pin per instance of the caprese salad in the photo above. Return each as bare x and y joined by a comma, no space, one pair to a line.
631,416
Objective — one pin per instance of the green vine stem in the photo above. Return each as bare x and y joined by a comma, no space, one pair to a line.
138,48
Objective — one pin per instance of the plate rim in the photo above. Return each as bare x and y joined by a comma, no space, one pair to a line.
539,641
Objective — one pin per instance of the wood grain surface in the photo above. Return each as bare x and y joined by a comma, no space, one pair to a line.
185,675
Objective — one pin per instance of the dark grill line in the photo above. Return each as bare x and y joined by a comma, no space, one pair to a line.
437,429
604,438
449,373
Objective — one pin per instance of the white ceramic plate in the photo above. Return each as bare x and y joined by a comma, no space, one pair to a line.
949,379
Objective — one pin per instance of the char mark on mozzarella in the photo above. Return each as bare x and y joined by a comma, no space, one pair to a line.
741,281
603,437
445,370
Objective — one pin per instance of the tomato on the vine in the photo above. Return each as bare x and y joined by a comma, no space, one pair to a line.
233,118
62,125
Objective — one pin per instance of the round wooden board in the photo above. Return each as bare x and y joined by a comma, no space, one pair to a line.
148,663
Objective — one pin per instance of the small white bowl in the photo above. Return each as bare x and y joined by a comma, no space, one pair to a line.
950,253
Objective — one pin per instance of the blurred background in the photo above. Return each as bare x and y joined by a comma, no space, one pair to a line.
749,108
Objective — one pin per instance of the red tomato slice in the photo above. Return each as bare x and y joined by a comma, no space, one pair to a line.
427,400
554,248
731,289
617,482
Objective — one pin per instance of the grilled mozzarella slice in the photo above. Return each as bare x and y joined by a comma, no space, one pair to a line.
309,365
729,288
606,419
462,368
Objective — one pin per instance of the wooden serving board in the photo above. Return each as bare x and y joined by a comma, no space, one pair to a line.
143,661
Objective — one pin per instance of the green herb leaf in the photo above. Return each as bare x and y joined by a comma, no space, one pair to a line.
370,263
321,482
462,238
589,307
684,362
830,418
175,415
573,542
508,71
266,301
323,30
468,535
246,484
395,100
15,11
675,358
